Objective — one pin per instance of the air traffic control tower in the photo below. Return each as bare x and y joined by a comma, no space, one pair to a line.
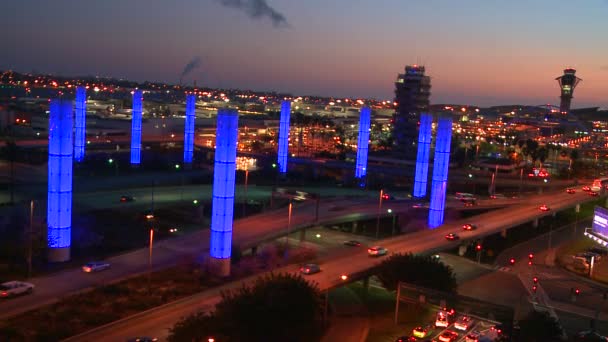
567,83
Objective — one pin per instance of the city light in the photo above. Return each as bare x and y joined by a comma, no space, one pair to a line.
422,157
284,136
223,187
136,128
363,144
189,128
80,117
440,171
59,205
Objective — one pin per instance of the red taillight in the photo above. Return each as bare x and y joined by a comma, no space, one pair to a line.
4,293
307,270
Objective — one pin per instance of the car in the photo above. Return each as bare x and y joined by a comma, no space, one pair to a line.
469,202
444,318
15,288
95,266
142,339
377,251
472,337
448,336
463,323
469,226
310,269
353,243
586,188
386,196
544,207
418,205
421,332
406,338
126,198
452,237
570,191
498,196
593,193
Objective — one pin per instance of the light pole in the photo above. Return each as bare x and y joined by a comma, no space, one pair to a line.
150,256
521,180
246,182
493,186
29,247
288,228
390,211
378,216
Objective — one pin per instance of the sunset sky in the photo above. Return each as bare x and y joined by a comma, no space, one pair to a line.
476,51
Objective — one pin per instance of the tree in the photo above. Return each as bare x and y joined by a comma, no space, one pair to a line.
539,327
279,307
416,269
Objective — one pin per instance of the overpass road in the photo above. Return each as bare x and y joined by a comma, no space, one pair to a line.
353,262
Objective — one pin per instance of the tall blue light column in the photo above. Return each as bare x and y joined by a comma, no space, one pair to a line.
440,170
363,145
284,136
59,200
223,190
422,158
80,123
189,129
136,128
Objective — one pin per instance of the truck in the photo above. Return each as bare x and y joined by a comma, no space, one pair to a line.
15,288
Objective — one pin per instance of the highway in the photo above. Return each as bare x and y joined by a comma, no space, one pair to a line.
354,262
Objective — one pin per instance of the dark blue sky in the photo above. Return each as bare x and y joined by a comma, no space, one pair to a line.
476,51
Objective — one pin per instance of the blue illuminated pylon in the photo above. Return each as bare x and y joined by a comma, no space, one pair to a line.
223,189
284,136
422,158
80,123
363,145
189,128
59,200
136,128
440,170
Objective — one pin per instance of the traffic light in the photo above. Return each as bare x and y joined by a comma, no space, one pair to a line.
530,257
534,288
577,292
535,279
478,247
512,261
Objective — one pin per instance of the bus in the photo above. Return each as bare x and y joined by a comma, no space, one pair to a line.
599,184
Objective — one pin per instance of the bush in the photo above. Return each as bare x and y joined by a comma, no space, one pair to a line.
420,270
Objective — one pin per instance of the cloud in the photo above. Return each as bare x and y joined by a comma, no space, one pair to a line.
258,9
604,67
193,64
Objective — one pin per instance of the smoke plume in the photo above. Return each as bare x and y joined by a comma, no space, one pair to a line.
193,64
257,9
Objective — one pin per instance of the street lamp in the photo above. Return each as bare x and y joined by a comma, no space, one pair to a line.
29,247
150,256
390,211
379,210
288,228
246,182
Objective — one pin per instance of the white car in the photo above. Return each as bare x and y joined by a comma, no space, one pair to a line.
95,266
14,288
463,323
377,251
